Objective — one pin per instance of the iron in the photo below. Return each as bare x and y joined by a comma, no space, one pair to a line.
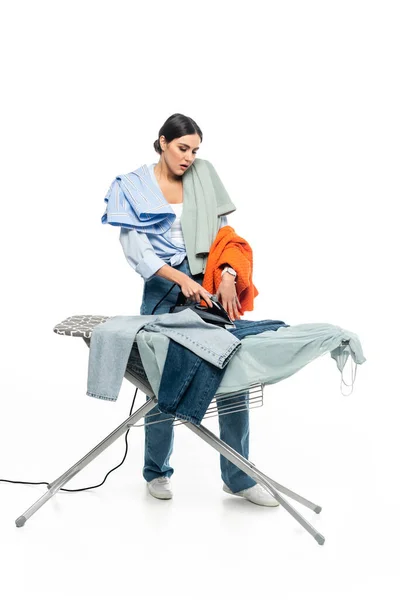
215,314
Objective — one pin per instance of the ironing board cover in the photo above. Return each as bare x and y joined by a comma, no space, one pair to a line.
79,325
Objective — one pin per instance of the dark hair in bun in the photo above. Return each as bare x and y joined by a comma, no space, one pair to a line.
176,126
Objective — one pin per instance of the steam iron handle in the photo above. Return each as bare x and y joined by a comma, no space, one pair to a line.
181,299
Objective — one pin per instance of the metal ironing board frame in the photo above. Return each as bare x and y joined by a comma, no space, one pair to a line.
273,487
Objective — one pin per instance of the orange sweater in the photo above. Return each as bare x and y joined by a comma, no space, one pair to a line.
230,248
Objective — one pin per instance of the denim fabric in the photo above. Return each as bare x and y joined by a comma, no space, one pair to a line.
159,436
209,342
111,344
188,383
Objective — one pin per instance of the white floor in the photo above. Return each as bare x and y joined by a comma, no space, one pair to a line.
119,542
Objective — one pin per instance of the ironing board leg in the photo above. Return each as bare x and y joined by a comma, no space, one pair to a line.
270,485
58,483
223,448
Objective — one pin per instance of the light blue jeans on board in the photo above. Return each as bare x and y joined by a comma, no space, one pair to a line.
159,435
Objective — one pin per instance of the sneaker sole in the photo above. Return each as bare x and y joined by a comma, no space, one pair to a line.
240,494
167,496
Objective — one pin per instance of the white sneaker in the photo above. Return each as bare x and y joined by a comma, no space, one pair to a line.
256,494
160,488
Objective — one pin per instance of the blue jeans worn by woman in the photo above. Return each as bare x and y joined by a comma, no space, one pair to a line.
159,435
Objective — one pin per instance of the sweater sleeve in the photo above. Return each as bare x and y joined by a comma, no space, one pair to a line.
139,252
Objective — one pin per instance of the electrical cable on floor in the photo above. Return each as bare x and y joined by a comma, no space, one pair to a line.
92,487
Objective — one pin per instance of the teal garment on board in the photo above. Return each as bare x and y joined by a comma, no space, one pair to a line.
265,358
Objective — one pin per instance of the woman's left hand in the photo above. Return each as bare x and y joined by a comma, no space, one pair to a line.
226,294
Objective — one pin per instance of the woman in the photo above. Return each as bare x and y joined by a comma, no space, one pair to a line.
161,258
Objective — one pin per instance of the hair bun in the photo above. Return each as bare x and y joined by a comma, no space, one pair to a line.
176,126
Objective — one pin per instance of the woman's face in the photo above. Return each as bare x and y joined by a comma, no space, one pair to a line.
180,151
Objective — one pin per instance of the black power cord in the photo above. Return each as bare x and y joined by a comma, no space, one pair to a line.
85,488
126,442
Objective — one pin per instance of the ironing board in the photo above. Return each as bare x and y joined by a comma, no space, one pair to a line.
82,326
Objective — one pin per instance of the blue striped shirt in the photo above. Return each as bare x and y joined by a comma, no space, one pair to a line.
148,252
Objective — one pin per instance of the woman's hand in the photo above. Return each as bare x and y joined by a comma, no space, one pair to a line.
194,291
226,294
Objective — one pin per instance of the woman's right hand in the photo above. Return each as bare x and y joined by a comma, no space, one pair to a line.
194,291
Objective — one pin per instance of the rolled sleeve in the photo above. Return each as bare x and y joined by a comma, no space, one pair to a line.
139,253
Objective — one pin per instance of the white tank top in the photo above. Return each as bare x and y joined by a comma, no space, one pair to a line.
176,228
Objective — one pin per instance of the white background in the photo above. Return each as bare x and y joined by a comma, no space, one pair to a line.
299,107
